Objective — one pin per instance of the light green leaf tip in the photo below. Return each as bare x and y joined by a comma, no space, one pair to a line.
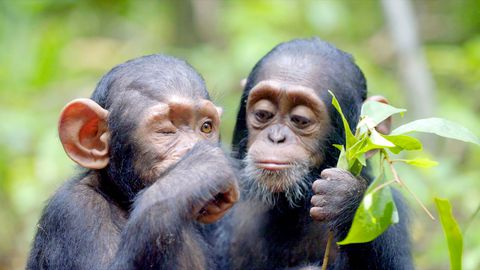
378,139
420,162
403,142
378,111
350,139
452,233
441,127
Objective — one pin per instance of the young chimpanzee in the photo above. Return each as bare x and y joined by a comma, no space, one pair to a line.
148,138
294,195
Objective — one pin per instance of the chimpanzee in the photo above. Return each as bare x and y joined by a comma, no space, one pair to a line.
148,138
292,194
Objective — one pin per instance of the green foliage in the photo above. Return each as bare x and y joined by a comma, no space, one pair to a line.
419,162
377,210
376,112
441,127
349,138
376,213
452,233
53,51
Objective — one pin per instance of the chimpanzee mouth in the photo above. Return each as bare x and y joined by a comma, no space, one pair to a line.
269,180
273,165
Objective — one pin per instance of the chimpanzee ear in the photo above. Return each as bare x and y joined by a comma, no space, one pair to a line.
84,133
386,125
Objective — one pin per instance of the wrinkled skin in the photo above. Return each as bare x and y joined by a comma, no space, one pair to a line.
332,190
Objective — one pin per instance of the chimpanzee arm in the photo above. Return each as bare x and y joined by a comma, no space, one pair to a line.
79,229
160,232
391,250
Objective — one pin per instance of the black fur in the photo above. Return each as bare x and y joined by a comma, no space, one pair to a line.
255,237
110,218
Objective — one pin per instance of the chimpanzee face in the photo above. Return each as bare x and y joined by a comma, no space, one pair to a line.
169,129
286,124
150,112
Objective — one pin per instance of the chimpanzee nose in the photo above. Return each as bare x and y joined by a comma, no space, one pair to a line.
276,135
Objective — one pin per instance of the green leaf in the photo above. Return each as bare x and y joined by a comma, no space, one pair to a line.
362,160
403,142
355,167
420,162
342,162
377,111
441,127
376,213
400,143
379,140
357,149
349,138
452,233
369,145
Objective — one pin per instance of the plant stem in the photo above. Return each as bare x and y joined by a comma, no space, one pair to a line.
327,250
398,180
382,186
394,172
419,202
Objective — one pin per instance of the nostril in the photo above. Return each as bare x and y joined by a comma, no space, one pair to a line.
270,138
276,138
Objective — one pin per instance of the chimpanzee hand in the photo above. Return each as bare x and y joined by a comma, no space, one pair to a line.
337,194
212,186
201,186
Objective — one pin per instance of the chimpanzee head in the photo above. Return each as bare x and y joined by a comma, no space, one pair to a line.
143,116
286,124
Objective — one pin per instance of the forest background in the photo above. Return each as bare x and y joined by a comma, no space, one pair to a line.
421,55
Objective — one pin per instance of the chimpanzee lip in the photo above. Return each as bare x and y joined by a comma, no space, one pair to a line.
273,165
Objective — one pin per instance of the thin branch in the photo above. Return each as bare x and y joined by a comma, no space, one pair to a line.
383,185
419,202
398,180
394,172
327,250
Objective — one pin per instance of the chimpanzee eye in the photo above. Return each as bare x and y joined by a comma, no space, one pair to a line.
300,121
263,116
206,127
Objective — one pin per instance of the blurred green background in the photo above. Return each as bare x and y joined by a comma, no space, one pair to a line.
54,51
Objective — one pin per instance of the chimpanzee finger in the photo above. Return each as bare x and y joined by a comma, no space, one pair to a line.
318,200
319,213
322,186
333,173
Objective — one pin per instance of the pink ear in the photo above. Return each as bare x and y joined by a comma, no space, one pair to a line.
84,134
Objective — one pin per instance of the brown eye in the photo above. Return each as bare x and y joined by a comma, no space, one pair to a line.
300,121
263,116
207,127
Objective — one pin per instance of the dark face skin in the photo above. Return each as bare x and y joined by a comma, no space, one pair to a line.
285,124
